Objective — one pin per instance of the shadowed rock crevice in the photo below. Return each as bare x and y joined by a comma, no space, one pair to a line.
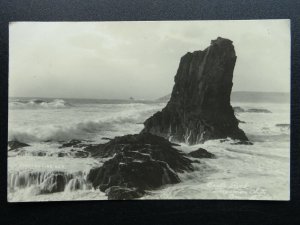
199,108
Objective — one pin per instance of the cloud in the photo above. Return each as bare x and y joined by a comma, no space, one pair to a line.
140,59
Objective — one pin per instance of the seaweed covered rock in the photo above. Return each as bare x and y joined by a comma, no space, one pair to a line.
199,108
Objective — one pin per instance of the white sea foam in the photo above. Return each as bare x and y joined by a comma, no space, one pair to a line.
77,123
28,176
38,104
258,171
80,130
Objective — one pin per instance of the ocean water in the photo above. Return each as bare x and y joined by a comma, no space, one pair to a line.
258,171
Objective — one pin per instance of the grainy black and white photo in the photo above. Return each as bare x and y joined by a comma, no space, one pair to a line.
149,110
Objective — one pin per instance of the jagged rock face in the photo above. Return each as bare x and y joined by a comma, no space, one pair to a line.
199,108
142,146
139,162
138,171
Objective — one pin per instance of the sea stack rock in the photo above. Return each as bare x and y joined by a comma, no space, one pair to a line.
199,108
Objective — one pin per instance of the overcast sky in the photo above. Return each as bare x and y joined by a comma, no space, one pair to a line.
139,59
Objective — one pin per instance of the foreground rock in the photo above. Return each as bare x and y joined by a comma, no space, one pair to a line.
13,145
119,193
199,108
132,170
140,162
154,146
201,153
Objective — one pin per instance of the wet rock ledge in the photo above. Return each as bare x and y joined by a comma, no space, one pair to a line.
138,163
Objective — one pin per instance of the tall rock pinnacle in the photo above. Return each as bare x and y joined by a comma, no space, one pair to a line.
199,108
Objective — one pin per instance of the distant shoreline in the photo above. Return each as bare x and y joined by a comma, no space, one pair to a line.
250,96
286,94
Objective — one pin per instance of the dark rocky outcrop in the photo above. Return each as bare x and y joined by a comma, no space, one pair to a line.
62,154
156,147
283,125
132,170
237,142
80,154
73,143
201,153
41,154
121,193
140,162
242,143
106,138
199,108
238,109
258,111
13,145
39,101
73,153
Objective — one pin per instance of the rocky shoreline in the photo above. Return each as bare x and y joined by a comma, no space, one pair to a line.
199,110
133,165
139,163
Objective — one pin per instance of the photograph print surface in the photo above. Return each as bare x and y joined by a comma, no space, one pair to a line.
149,110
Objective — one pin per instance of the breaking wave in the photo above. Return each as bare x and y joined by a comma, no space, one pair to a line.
124,120
38,104
81,130
46,182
